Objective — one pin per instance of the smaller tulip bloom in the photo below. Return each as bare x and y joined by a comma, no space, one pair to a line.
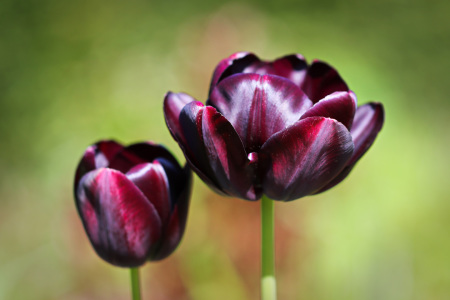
285,128
133,201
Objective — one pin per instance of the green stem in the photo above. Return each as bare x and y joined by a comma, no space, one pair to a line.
135,286
268,282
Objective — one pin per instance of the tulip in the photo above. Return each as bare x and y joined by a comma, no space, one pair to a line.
285,129
133,201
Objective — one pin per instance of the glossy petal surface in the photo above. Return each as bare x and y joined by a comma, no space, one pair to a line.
139,153
173,104
216,150
226,155
306,156
234,64
292,67
121,223
258,106
369,119
322,80
340,106
151,179
174,228
97,156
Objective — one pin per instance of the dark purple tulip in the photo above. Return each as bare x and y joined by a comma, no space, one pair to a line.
283,128
133,201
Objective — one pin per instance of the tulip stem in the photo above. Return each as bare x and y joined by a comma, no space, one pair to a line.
268,282
135,286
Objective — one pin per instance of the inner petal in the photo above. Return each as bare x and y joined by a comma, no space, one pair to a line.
259,105
292,67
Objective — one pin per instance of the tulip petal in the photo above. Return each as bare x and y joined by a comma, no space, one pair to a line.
235,63
304,157
191,124
139,153
292,67
340,106
151,180
322,80
122,225
227,156
215,151
193,147
96,156
179,178
369,119
173,104
174,230
258,106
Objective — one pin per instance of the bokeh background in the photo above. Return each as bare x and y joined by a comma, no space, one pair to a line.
73,72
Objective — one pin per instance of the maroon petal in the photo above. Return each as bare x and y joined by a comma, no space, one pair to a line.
96,156
193,147
152,181
259,106
173,104
369,119
214,150
340,106
122,225
106,150
139,153
292,67
322,80
174,229
226,155
235,63
304,157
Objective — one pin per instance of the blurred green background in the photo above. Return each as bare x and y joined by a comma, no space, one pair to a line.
73,72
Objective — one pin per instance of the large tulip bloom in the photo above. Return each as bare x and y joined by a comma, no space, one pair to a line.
283,128
133,201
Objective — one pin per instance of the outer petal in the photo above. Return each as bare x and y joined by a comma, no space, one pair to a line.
193,148
174,229
304,157
369,119
122,225
97,156
215,149
173,104
152,181
259,106
340,106
227,156
322,80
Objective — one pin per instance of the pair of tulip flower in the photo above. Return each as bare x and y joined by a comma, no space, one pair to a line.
284,129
